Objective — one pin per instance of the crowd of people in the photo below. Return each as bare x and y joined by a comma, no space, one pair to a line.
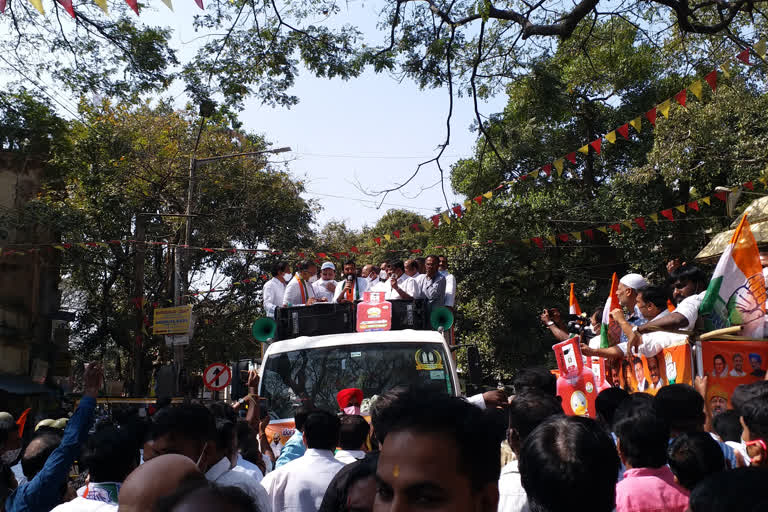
423,450
419,278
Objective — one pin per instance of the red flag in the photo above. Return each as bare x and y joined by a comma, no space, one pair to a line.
547,169
590,234
2,6
616,227
596,145
478,200
712,80
200,4
135,5
640,221
743,56
415,227
681,97
651,116
624,130
322,255
415,251
694,205
301,255
457,210
67,4
571,157
377,240
563,237
354,249
435,221
720,196
668,214
749,185
22,421
396,233
539,243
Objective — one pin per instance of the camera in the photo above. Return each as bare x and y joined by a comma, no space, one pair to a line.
579,324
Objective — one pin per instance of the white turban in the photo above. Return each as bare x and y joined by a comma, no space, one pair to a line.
634,281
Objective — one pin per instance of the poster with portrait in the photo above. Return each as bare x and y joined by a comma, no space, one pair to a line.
728,364
672,365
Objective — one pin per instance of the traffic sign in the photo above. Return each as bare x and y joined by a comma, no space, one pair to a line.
217,376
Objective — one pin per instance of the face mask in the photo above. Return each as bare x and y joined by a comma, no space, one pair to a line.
200,458
286,277
383,275
313,279
352,410
10,457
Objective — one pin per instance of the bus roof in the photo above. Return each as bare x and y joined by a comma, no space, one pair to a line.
354,338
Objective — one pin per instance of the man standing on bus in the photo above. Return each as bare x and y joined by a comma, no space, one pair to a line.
352,287
299,292
431,285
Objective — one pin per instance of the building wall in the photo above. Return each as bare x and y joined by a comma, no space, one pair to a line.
28,283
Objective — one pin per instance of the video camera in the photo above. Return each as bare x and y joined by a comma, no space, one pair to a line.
578,324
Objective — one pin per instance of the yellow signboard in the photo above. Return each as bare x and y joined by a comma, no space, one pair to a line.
172,320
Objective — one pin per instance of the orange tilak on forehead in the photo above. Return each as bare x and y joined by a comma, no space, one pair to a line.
396,471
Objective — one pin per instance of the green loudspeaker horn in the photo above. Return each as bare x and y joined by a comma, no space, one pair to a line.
441,318
264,329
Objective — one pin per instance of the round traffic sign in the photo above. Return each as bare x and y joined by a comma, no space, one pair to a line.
217,376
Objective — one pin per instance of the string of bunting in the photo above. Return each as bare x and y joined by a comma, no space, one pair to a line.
559,165
102,4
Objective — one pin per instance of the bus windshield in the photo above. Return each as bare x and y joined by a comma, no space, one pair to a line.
315,375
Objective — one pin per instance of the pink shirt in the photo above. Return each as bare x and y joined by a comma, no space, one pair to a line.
650,490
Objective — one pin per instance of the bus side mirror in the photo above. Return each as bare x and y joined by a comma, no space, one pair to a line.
473,362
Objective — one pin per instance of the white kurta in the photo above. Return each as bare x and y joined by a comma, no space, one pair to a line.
359,284
293,292
273,293
350,456
450,289
512,496
301,484
221,474
321,292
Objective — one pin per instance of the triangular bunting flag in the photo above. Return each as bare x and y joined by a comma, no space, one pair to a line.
584,149
616,227
571,157
693,205
38,4
102,5
323,255
705,200
681,97
695,88
457,210
547,169
726,69
526,241
654,217
637,123
133,4
2,6
760,48
563,237
467,204
200,4
720,195
749,185
168,4
627,223
538,241
377,240
651,116
576,235
711,79
533,174
596,145
427,224
354,249
551,239
664,107
743,56
396,233
603,229
680,208
436,220
559,163
624,130
668,214
67,4
388,237
590,234
611,137
488,195
446,218
478,200
640,221
415,228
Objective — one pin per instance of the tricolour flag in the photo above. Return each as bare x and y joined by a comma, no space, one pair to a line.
573,304
736,293
610,330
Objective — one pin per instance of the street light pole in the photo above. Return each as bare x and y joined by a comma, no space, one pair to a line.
181,261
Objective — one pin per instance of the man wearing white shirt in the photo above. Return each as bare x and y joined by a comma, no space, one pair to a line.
301,484
450,282
326,285
399,286
299,291
274,289
351,288
353,434
412,268
690,285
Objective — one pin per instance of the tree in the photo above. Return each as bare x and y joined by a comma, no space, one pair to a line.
127,160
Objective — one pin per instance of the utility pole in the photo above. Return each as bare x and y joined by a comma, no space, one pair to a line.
181,261
138,295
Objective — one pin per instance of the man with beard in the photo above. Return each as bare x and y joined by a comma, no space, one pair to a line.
352,287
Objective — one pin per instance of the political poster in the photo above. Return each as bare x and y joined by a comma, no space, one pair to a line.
672,365
728,364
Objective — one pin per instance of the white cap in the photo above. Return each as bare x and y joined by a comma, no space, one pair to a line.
634,281
328,264
6,420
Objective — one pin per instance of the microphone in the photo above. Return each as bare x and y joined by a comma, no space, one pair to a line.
350,277
348,291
